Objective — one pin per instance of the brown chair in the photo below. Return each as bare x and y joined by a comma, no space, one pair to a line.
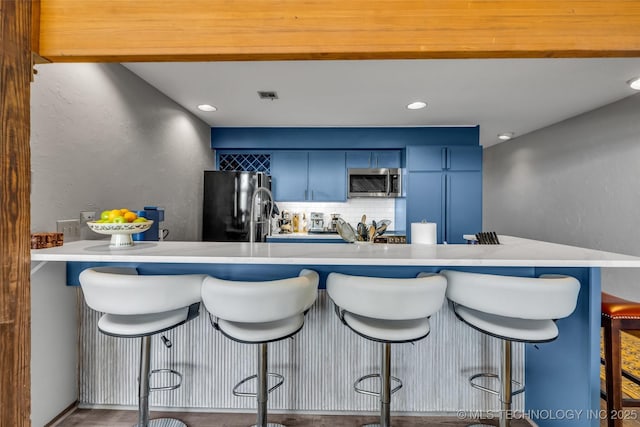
617,315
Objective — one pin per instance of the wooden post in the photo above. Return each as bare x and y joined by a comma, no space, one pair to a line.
15,326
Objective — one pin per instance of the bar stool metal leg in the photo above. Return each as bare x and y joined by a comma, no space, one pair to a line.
143,383
385,388
262,393
144,388
505,386
505,392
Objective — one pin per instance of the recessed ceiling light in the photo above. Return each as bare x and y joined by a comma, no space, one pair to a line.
634,83
505,136
206,107
416,105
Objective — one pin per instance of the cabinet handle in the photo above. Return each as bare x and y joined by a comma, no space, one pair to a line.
305,194
311,194
377,158
370,160
443,158
448,154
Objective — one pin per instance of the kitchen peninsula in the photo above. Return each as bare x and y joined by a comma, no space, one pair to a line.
560,376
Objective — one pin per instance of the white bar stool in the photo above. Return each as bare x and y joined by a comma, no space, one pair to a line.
520,309
389,311
260,313
139,307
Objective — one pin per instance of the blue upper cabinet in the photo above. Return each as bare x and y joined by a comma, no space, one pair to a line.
299,176
374,159
327,176
426,158
289,175
440,158
460,158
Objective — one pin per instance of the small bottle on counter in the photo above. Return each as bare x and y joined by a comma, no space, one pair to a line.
296,222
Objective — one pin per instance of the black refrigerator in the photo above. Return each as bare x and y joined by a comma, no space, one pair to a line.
227,206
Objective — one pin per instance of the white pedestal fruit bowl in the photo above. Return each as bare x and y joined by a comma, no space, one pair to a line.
120,231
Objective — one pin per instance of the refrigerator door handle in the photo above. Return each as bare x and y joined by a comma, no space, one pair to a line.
235,206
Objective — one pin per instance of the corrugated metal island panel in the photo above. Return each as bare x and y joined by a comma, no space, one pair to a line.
320,365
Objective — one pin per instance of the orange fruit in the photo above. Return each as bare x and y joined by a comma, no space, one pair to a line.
124,211
130,216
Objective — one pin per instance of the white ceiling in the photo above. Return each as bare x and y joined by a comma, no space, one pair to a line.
500,95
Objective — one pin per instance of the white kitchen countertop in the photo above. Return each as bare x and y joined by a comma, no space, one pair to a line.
512,252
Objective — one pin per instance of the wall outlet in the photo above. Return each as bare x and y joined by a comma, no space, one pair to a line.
87,216
70,228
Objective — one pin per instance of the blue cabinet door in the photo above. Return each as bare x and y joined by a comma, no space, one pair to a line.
463,210
464,158
387,158
425,200
327,176
359,158
374,159
289,175
426,158
439,158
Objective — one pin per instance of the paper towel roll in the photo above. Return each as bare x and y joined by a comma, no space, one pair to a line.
424,233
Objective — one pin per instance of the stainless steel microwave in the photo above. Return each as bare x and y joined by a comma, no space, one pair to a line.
379,182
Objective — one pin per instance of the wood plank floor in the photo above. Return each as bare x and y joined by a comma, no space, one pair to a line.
117,418
113,418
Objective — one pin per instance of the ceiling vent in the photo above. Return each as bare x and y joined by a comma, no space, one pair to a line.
268,94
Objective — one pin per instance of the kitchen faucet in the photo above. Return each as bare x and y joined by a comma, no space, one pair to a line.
252,219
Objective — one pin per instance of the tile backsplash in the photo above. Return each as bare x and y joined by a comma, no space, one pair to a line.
351,211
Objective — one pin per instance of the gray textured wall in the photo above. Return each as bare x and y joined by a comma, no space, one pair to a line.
576,182
101,138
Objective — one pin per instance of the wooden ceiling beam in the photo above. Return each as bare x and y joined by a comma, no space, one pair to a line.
198,30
